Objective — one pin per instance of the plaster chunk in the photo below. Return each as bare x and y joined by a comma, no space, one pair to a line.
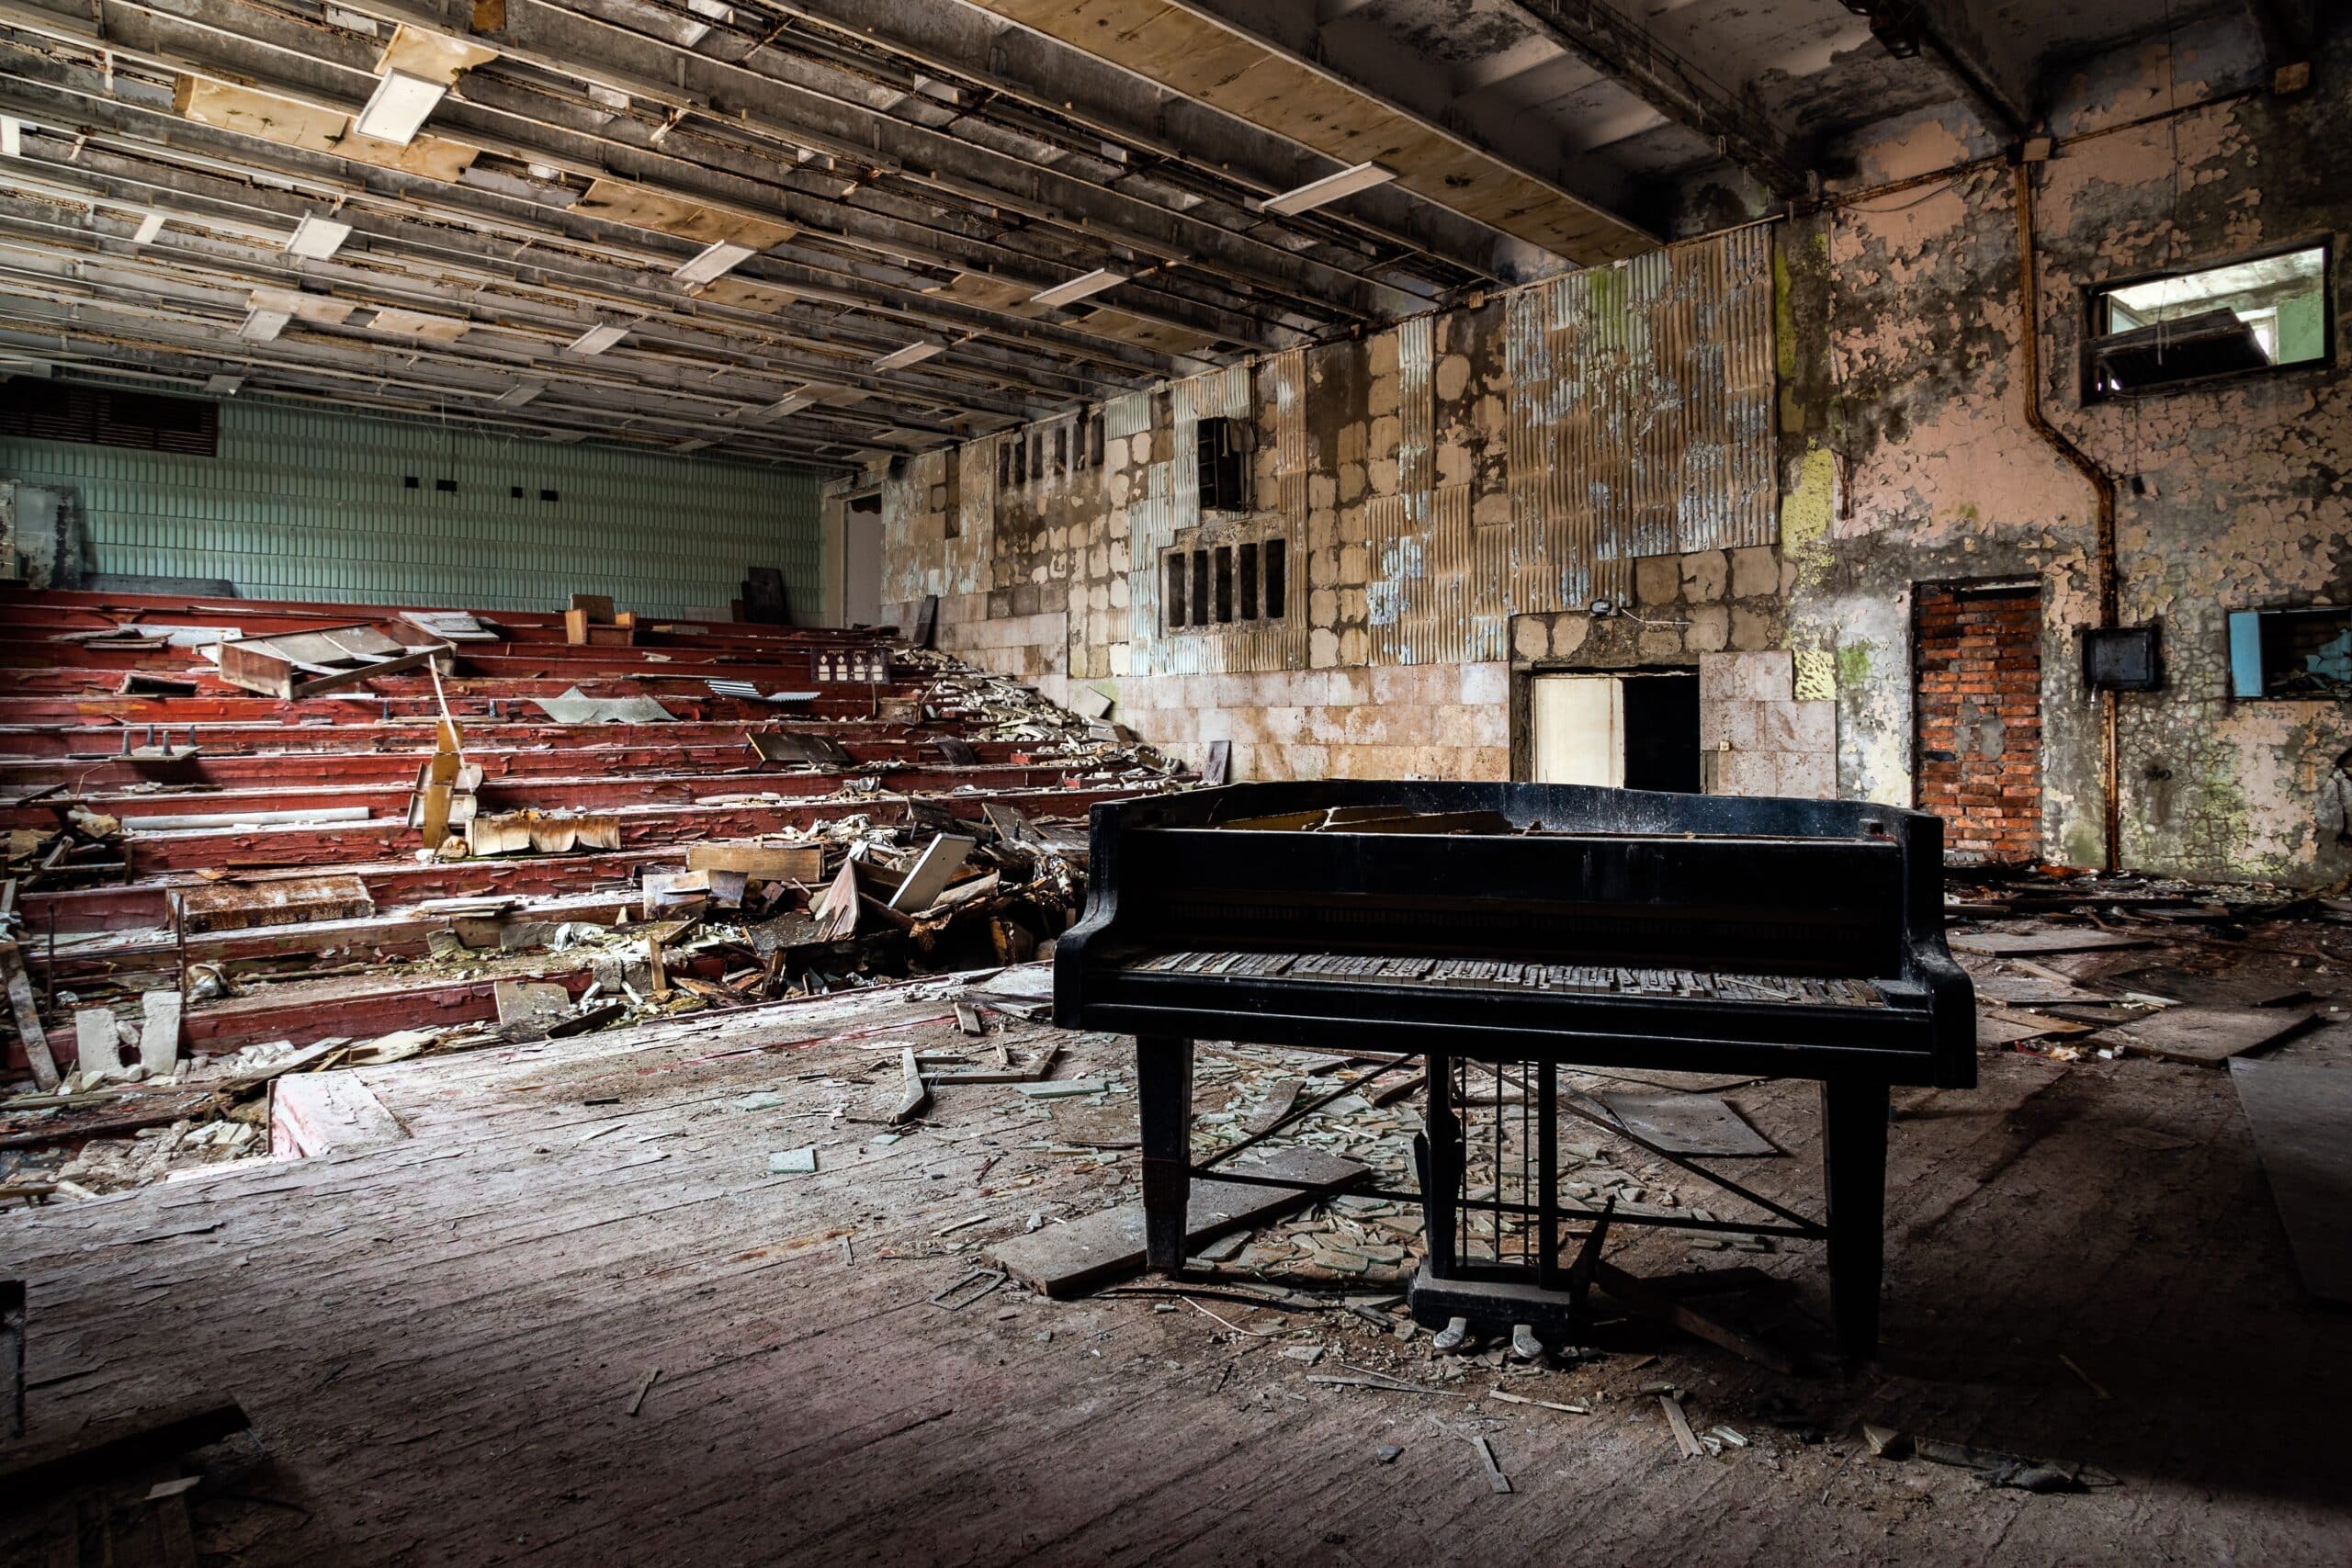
1755,572
1710,629
1750,630
1705,575
1657,580
1570,630
1659,642
1531,638
1453,377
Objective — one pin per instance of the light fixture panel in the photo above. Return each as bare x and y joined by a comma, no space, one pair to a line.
316,237
149,227
720,257
1329,188
1077,289
398,108
597,339
913,354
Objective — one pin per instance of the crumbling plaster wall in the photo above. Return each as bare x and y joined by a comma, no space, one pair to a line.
1436,480
1902,369
1516,456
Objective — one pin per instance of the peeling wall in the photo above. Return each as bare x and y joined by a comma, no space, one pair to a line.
1901,377
1761,441
1517,456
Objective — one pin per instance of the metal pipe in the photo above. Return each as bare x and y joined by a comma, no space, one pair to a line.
2103,553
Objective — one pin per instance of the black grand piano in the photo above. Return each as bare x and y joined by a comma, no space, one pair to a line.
1502,932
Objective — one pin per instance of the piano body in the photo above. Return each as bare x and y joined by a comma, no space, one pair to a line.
1502,932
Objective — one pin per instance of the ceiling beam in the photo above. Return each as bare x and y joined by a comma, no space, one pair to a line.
1632,56
1220,150
1994,69
1260,62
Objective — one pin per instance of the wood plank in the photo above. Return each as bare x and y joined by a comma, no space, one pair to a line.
1087,1253
2301,1118
26,1009
1688,1123
34,1471
770,862
2003,944
312,1113
2208,1035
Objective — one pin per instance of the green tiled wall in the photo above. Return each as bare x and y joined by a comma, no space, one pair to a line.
305,503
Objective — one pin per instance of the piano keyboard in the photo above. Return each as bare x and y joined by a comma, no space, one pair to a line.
1488,974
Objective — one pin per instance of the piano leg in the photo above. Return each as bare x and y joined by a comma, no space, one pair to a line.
1164,1089
1853,1166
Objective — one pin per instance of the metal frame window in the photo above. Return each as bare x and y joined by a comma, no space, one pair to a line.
2262,314
1208,587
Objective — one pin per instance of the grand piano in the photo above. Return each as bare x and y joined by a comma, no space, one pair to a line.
1500,932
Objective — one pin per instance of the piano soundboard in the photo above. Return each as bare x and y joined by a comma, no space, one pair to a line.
1485,974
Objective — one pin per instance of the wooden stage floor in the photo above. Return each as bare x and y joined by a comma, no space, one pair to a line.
439,1340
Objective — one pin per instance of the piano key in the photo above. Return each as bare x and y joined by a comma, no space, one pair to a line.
1489,973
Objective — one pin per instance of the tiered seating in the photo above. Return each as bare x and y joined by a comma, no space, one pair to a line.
177,778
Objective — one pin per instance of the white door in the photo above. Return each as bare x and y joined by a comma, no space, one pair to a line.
862,568
1578,725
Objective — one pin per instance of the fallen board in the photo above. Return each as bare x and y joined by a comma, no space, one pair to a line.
2301,1118
2207,1036
310,1114
1688,1124
2009,944
41,1470
1070,1259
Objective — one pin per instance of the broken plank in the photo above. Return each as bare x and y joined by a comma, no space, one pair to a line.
914,1094
39,1470
942,858
2006,945
2208,1035
310,1114
766,863
1071,1260
1688,1124
26,1011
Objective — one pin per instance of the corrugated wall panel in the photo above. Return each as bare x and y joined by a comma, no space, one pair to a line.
303,502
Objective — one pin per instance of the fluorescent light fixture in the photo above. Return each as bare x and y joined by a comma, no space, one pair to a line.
149,227
1077,289
514,396
263,325
317,238
398,108
720,256
791,403
697,445
1331,188
716,10
224,386
597,339
12,136
913,354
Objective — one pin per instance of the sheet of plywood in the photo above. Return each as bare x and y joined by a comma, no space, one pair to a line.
2004,944
2301,1114
1687,1123
1070,1259
436,57
771,862
2207,1036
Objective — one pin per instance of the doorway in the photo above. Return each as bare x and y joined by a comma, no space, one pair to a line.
861,561
1978,704
1638,729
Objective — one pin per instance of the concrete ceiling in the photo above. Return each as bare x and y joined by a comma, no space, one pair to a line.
875,189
